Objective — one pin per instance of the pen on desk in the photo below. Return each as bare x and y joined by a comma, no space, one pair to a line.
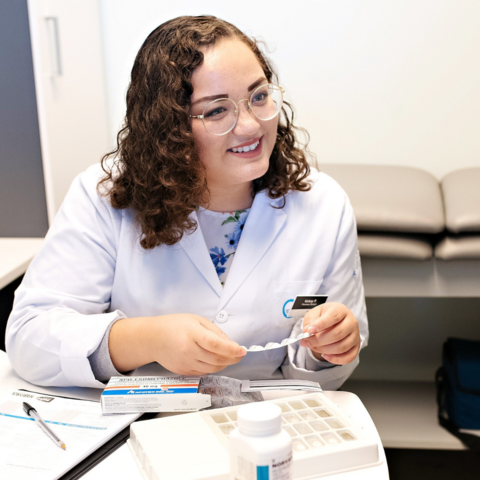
31,412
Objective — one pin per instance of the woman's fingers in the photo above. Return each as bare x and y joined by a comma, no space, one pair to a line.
214,359
336,348
343,358
210,341
212,327
334,343
324,316
206,368
188,344
337,335
215,350
332,335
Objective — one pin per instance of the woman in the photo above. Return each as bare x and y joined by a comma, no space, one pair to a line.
206,225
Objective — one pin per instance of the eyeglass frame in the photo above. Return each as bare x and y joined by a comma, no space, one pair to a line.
237,109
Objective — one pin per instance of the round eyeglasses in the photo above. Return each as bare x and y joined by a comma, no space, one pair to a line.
220,116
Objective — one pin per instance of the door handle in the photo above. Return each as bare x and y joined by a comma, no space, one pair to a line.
53,40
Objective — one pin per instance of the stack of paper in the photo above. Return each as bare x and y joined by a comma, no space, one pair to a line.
27,453
290,384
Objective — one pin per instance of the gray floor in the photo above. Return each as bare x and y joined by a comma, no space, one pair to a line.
433,464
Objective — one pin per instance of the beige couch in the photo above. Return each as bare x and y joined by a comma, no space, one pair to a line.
404,213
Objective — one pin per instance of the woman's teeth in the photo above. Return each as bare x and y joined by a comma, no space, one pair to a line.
247,148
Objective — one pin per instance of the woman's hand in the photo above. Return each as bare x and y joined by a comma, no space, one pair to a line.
192,345
185,344
337,338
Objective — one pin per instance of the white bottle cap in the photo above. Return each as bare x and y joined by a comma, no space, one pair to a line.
258,419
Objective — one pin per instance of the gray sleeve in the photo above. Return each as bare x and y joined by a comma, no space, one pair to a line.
100,361
314,364
297,365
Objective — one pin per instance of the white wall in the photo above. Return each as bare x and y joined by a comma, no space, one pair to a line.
373,81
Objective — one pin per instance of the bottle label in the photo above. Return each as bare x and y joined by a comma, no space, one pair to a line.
280,468
262,472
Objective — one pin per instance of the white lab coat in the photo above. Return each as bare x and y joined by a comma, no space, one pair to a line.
92,270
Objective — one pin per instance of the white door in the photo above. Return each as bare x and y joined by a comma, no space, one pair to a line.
70,88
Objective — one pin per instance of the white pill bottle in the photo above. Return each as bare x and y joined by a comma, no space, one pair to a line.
259,448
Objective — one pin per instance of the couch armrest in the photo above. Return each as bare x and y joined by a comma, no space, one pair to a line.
461,193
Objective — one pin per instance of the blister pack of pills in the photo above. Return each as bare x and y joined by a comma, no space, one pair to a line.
274,345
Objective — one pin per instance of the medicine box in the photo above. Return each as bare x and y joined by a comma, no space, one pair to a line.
153,394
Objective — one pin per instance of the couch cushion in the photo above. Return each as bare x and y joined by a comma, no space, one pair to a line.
461,193
459,248
388,198
390,246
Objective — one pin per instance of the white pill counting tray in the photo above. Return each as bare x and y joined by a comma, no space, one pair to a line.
195,445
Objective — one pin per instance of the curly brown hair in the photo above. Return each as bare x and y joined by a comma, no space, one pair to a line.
156,170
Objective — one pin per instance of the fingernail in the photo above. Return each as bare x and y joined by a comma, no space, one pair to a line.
312,329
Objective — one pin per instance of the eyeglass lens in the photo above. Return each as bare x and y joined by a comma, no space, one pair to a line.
220,116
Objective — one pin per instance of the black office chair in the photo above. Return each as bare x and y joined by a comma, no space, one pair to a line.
6,303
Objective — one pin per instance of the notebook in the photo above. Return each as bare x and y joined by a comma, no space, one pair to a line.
26,452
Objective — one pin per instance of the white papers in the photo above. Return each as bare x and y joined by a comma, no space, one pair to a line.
26,452
294,384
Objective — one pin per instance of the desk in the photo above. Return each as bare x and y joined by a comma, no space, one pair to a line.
121,465
15,257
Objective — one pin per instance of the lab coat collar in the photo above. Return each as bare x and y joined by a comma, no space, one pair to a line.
196,248
263,224
261,229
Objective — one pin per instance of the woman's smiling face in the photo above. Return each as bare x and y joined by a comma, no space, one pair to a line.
230,69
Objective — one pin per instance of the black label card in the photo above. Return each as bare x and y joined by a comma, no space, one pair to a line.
303,303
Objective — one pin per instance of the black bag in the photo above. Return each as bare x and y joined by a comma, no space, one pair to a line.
458,389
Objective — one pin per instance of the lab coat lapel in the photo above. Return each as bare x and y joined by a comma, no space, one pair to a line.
261,229
196,248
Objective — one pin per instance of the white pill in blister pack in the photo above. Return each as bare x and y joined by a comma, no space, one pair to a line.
283,343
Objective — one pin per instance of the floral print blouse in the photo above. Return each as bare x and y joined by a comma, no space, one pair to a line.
222,232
